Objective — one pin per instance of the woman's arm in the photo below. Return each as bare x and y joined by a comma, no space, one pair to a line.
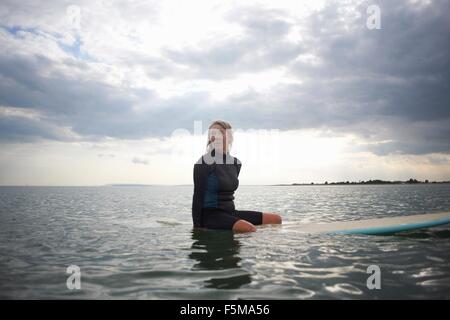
238,165
200,180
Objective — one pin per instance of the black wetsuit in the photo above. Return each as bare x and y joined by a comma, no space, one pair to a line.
215,180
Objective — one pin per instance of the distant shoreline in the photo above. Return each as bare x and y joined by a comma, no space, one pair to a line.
368,182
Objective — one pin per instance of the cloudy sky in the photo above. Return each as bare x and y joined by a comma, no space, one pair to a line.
95,92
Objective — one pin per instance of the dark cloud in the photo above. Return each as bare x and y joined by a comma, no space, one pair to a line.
21,129
405,65
399,74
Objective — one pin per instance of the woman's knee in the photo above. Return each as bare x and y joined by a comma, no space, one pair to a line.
243,226
271,218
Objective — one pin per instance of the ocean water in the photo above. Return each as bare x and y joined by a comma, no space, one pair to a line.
138,243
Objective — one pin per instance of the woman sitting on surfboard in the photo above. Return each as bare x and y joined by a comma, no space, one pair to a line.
215,180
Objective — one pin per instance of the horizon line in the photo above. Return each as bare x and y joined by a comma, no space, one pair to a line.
361,182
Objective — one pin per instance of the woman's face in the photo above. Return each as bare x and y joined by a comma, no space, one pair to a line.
219,137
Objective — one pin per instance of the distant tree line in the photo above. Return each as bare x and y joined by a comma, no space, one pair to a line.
375,181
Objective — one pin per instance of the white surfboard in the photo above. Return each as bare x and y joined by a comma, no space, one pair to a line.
375,226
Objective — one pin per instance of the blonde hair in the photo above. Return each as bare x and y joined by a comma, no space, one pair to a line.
228,130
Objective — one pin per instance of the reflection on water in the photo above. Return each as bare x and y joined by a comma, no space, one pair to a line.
425,234
218,250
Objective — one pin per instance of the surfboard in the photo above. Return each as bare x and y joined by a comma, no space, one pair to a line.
375,226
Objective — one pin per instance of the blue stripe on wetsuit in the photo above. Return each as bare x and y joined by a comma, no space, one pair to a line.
212,188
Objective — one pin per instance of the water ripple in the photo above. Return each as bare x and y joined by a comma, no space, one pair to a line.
137,243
